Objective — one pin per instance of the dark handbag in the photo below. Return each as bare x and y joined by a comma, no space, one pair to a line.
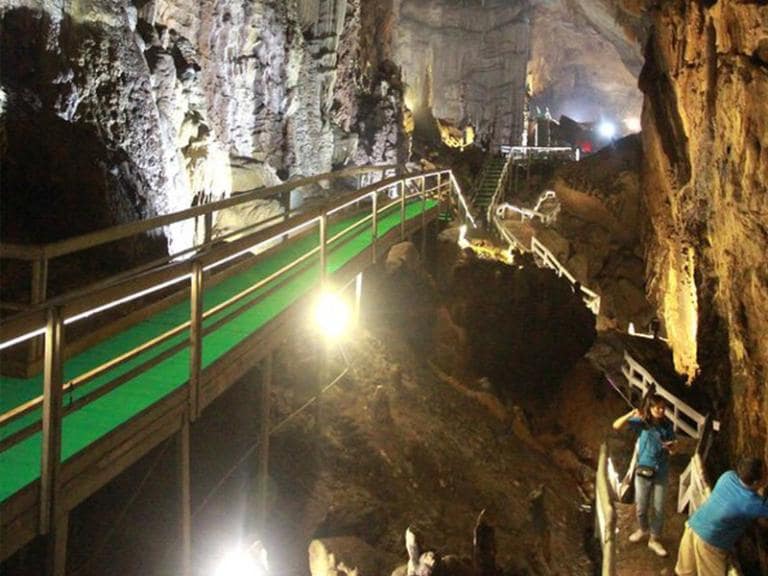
645,471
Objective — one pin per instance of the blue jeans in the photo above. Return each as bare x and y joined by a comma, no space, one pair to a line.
650,492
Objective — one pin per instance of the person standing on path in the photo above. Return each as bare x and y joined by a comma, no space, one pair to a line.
715,528
655,441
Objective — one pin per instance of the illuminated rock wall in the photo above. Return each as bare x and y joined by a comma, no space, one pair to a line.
124,110
705,135
477,58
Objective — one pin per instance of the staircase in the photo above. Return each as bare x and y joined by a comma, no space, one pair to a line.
488,182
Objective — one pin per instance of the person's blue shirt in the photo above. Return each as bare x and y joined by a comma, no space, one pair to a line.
650,443
726,514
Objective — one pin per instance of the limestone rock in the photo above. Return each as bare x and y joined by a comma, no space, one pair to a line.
346,556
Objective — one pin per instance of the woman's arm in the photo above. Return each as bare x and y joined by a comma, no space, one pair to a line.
621,421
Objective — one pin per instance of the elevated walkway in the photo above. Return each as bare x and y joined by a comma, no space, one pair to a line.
192,329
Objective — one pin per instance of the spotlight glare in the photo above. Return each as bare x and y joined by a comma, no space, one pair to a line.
606,129
632,123
239,562
332,314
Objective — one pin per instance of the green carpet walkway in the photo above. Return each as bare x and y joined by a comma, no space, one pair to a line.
20,463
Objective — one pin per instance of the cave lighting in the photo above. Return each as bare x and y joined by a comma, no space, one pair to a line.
241,562
606,129
632,123
332,314
463,242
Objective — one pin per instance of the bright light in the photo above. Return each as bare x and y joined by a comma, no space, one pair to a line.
332,314
632,123
606,129
239,562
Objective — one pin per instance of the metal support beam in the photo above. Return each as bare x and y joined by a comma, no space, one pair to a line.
262,478
358,297
374,225
323,248
53,522
185,496
207,227
195,338
423,218
401,186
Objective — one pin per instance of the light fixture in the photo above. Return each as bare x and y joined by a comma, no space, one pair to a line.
332,314
606,129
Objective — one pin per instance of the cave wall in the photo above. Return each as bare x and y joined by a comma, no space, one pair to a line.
123,110
470,58
705,135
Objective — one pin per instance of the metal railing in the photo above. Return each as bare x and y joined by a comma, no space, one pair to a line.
683,417
41,255
531,213
193,276
519,152
605,515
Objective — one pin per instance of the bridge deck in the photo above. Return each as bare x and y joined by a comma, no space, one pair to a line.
20,463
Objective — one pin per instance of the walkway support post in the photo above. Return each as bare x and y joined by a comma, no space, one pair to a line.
374,225
53,522
358,297
195,338
401,186
323,247
262,478
185,497
423,188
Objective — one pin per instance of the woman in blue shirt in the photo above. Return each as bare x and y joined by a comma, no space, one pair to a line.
655,442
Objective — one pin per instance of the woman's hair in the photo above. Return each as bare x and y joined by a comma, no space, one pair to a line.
750,470
650,401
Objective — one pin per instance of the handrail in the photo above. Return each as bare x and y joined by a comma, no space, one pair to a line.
100,237
529,151
72,309
500,184
640,378
605,515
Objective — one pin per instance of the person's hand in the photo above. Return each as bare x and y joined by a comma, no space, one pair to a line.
670,446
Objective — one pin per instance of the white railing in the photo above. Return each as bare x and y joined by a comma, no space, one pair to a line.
591,298
694,488
500,184
632,331
518,152
532,213
605,514
683,417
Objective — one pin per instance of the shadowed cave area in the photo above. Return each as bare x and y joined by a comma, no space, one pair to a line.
517,218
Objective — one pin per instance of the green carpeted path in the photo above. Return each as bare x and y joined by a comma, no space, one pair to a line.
20,464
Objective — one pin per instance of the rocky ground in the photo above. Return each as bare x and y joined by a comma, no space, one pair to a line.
397,442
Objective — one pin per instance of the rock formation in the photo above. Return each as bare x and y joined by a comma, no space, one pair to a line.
124,110
705,134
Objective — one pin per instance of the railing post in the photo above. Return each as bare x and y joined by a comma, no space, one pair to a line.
185,495
374,225
264,427
38,293
423,218
323,247
401,185
195,338
207,227
52,521
358,297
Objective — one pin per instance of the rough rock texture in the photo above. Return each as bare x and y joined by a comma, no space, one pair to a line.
120,110
602,224
706,143
470,58
585,58
525,327
476,57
